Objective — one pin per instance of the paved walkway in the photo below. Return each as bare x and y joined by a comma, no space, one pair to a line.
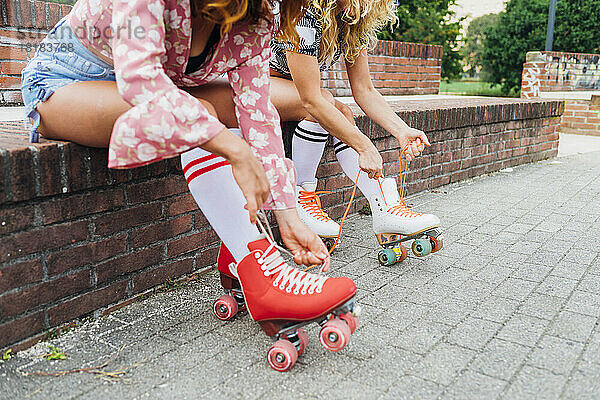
509,309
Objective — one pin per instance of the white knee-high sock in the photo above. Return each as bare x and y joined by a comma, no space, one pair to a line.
211,182
308,144
348,159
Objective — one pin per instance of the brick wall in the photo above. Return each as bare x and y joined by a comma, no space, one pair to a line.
582,116
573,77
397,68
77,238
23,24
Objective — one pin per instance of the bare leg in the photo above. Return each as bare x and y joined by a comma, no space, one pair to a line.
286,100
85,112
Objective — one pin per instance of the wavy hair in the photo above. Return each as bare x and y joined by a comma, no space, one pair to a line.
356,25
228,12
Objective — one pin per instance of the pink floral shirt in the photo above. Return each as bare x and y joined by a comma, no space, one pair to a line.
149,43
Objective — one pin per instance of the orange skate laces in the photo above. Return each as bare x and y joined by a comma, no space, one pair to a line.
310,202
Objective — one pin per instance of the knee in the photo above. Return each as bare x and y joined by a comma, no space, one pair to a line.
209,107
328,96
344,109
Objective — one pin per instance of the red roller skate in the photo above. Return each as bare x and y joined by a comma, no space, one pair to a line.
282,299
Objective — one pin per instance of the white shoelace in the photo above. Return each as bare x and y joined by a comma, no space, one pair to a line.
299,282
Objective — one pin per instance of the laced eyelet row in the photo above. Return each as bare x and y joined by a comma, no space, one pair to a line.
310,202
288,278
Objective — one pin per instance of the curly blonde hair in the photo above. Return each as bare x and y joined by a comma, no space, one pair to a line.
356,24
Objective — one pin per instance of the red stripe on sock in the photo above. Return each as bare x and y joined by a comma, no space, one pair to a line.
201,171
199,161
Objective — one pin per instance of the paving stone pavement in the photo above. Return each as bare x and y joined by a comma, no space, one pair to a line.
508,309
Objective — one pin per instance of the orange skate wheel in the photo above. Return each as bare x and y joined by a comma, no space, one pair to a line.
335,334
437,244
303,341
282,355
225,307
403,254
351,320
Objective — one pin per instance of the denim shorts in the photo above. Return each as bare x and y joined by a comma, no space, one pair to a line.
61,59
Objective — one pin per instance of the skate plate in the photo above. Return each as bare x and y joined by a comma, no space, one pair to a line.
425,242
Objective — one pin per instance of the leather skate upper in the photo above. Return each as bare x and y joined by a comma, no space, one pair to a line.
309,210
224,261
275,290
392,215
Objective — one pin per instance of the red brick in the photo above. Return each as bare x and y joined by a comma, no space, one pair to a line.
26,17
88,302
49,172
54,14
20,274
10,82
207,257
21,328
46,238
61,261
40,14
66,9
127,218
70,207
15,218
13,67
190,243
128,263
161,274
46,292
157,188
161,231
76,169
22,180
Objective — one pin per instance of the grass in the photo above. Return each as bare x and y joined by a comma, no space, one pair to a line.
473,88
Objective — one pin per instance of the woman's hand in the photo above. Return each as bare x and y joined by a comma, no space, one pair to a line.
370,161
306,247
252,180
413,141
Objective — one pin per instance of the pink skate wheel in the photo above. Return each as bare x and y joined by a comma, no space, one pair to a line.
351,320
282,355
225,307
335,334
303,340
437,243
403,254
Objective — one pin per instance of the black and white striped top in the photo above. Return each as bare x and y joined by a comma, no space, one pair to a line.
310,30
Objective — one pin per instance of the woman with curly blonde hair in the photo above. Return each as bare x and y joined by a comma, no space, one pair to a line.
141,78
331,29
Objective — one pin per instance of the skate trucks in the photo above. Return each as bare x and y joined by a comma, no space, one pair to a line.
282,299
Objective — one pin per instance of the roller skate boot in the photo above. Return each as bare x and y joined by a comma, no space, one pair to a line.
394,223
282,299
232,302
310,212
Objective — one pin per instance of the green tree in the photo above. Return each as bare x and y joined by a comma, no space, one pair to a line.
429,21
522,28
472,51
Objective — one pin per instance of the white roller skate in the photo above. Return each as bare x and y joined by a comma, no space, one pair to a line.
394,223
310,212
